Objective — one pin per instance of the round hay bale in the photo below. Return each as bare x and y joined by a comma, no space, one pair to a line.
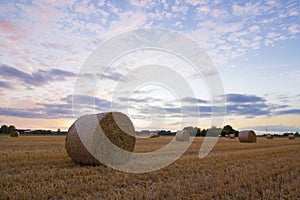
116,126
232,136
154,135
14,134
269,136
226,136
247,136
291,136
183,136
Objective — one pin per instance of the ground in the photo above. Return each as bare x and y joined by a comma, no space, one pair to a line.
38,167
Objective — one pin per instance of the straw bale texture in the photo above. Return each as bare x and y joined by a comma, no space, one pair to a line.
183,136
154,135
231,136
269,136
291,136
247,136
116,126
14,134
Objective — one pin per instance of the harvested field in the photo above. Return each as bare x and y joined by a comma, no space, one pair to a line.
38,167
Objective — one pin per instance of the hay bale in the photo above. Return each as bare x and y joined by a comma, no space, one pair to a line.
154,135
226,136
14,134
183,136
232,136
291,136
269,136
116,126
247,136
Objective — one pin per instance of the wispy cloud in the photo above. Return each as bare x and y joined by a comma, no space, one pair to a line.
248,106
139,100
274,128
289,112
244,98
64,109
38,78
193,100
5,85
46,41
88,102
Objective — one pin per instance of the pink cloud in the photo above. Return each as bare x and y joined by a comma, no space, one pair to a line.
7,26
204,9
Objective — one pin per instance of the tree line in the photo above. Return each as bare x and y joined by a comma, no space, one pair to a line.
5,129
198,132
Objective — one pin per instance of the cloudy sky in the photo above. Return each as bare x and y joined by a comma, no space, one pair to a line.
254,46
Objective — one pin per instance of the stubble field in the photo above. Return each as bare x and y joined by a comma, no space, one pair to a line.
38,167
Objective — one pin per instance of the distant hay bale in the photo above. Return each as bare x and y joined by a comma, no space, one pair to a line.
232,136
14,134
227,136
291,136
269,136
154,135
247,136
183,136
116,126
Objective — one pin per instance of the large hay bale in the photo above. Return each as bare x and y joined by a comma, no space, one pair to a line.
116,126
291,136
247,136
183,136
232,136
154,135
226,136
269,136
14,134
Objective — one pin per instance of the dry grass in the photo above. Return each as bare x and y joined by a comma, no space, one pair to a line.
37,167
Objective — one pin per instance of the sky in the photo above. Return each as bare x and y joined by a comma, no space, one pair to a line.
254,46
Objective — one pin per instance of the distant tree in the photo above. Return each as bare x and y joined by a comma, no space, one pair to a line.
7,129
214,131
4,129
58,131
188,128
203,132
194,131
163,132
41,132
227,130
286,134
11,128
198,132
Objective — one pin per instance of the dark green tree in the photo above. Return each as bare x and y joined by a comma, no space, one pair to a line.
7,129
4,129
227,130
203,132
192,130
198,132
